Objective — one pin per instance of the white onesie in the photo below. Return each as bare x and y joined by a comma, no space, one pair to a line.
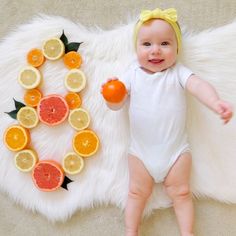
157,116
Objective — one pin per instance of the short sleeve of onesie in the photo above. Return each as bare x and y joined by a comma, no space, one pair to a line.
127,76
183,74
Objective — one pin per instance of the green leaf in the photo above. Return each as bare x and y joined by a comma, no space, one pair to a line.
12,114
18,105
72,47
64,39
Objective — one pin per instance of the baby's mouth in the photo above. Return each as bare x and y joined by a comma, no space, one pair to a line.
156,61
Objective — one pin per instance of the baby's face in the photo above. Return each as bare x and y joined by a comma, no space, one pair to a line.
156,46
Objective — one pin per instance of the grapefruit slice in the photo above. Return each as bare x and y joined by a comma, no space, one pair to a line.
48,175
53,110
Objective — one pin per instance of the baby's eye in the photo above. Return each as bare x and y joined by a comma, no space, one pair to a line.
165,43
146,44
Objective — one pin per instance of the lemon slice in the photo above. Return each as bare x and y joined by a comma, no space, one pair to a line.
75,80
27,117
72,163
29,77
25,160
79,119
53,49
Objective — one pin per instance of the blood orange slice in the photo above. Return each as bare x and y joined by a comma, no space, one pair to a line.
53,110
48,175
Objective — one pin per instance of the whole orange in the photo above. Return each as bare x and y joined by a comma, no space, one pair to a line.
114,91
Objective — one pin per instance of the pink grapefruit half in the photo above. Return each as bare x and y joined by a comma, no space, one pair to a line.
48,175
53,110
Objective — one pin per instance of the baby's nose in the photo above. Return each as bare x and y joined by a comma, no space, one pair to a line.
156,49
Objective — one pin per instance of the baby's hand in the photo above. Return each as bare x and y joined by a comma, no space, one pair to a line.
109,79
224,109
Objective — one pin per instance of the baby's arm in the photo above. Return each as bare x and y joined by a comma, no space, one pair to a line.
206,94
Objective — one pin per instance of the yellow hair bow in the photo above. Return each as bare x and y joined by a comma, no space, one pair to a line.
168,14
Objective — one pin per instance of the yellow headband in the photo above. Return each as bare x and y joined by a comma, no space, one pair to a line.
168,15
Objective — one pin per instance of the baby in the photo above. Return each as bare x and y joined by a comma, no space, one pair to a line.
159,149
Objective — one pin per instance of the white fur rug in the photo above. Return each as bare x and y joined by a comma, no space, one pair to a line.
211,54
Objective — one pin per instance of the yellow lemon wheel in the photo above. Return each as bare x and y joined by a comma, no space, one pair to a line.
53,49
79,119
75,80
25,160
85,143
27,117
72,163
29,77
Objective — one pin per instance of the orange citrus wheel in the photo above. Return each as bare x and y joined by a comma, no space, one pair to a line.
32,97
72,60
73,100
16,138
25,160
85,143
53,110
114,91
35,57
48,175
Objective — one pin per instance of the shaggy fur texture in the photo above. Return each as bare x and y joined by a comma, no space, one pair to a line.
211,54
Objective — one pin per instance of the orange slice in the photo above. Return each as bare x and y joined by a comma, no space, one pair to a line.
32,97
16,138
72,163
53,49
25,160
48,175
28,117
85,143
73,100
35,57
79,119
72,60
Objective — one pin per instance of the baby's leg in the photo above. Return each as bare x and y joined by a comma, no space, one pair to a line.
140,188
177,187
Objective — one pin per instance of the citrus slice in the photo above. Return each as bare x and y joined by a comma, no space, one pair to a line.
16,138
79,119
32,97
114,91
27,117
72,60
53,110
29,77
35,57
75,80
73,100
53,48
85,143
25,160
48,175
72,163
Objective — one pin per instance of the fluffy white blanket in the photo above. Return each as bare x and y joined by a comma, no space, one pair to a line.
211,54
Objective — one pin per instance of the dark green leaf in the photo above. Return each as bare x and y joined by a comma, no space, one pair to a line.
12,114
65,182
64,39
18,105
72,47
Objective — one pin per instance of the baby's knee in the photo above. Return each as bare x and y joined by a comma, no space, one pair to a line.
178,191
140,191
